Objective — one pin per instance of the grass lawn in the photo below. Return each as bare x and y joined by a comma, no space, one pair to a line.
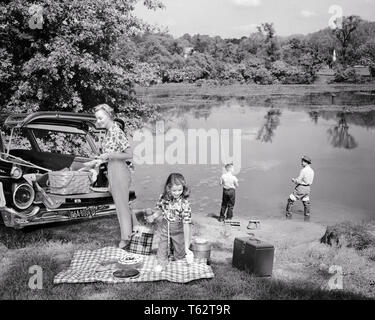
299,271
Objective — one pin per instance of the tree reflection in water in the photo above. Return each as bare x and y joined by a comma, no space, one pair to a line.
314,116
339,136
267,131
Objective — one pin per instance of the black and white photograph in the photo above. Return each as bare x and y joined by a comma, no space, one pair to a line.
191,155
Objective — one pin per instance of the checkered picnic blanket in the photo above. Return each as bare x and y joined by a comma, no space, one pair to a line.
84,268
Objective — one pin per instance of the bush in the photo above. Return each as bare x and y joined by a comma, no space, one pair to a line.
357,236
288,74
348,75
259,75
186,74
229,72
147,73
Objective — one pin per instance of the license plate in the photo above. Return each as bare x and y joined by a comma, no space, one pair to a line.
83,213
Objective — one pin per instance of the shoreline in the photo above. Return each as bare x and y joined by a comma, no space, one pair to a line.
239,90
189,95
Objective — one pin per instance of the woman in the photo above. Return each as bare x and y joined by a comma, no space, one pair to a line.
117,151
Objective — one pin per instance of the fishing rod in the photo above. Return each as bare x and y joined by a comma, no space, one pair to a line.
4,156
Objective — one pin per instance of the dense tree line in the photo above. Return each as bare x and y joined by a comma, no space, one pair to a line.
73,54
261,58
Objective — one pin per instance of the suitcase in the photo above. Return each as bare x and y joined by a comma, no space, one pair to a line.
254,256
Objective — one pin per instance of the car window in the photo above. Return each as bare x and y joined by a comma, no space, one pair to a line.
19,140
63,143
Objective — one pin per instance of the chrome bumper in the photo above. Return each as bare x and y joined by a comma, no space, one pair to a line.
19,220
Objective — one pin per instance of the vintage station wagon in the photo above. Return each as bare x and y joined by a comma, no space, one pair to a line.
31,145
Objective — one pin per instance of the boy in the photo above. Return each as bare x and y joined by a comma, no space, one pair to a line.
229,183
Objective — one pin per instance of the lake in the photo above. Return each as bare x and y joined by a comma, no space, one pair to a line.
340,140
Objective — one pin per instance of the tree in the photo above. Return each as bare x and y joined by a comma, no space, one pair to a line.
249,46
339,135
344,34
200,42
324,42
270,46
64,55
272,121
367,54
304,55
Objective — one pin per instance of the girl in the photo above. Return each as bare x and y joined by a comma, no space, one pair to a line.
175,225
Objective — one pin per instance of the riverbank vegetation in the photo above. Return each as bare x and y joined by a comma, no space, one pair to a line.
262,57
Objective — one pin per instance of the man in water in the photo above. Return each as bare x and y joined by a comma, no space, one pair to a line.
302,189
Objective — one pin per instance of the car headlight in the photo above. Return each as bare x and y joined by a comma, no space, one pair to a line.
16,172
23,195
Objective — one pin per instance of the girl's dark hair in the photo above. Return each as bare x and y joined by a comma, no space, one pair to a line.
175,179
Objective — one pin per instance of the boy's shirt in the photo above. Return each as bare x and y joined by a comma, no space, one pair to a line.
175,210
228,181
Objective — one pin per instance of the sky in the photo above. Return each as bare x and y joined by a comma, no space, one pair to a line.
237,18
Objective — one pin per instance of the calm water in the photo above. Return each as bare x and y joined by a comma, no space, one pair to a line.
341,144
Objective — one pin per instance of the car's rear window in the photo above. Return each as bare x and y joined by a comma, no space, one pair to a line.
63,143
19,140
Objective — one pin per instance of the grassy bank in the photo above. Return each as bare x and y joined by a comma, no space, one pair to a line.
300,267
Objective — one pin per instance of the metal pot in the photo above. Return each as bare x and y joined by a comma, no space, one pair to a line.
201,250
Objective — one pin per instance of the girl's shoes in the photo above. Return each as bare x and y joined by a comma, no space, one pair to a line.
189,256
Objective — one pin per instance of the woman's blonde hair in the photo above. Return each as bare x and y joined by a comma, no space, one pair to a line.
107,109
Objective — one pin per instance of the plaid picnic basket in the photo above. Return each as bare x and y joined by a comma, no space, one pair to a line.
141,243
